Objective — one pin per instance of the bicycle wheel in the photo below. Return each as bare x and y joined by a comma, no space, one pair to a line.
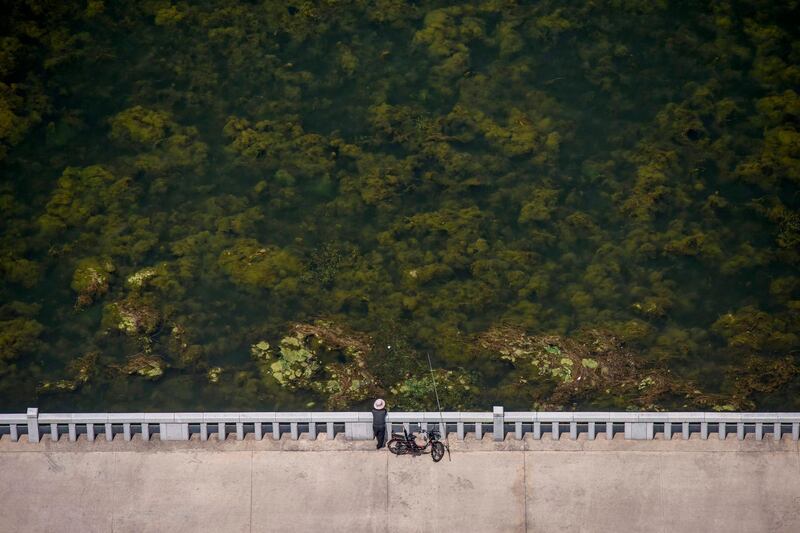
397,447
437,451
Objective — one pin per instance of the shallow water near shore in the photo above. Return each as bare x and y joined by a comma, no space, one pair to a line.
568,206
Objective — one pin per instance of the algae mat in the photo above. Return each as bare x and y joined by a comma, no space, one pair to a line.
242,205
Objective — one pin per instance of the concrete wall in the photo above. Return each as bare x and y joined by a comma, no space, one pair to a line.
301,485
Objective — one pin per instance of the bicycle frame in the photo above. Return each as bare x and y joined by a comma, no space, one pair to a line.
407,444
410,440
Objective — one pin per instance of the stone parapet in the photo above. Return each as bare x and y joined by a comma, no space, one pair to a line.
358,425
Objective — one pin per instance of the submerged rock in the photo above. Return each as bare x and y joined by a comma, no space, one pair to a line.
752,329
213,374
132,317
333,337
148,366
90,280
60,385
80,371
759,375
592,364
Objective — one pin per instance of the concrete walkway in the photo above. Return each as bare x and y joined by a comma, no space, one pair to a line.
347,486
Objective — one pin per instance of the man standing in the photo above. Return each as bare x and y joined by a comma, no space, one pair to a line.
379,421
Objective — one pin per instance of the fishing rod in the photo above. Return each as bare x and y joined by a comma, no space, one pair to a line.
439,407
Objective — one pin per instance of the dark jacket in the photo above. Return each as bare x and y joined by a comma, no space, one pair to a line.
379,418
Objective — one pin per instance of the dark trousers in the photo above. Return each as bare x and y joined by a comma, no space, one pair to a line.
380,434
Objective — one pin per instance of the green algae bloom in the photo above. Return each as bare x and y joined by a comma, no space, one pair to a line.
587,205
18,336
457,390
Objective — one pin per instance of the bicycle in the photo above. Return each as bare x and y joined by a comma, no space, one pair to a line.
406,443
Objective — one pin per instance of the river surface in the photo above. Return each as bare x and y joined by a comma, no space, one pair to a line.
271,205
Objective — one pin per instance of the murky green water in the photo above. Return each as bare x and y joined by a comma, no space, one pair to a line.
256,205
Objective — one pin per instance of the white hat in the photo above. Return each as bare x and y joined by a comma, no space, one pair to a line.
379,404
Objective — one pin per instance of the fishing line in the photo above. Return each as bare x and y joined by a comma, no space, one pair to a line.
439,407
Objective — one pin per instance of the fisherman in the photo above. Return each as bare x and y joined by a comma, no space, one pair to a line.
379,421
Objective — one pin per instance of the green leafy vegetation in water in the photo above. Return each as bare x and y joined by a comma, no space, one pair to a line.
239,205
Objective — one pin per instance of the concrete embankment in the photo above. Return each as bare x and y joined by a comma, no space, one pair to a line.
528,485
